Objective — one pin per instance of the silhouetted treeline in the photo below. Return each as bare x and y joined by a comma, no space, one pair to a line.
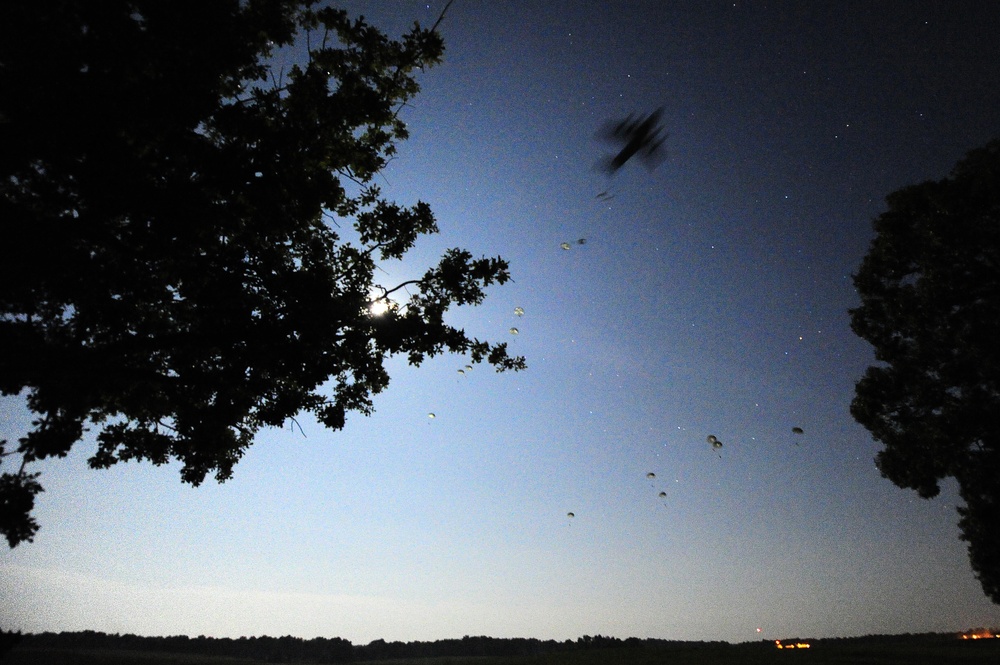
290,649
9,640
286,649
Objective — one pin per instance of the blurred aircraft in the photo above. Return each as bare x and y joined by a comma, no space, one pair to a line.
640,136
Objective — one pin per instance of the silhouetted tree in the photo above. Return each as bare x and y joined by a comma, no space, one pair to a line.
930,305
9,640
190,236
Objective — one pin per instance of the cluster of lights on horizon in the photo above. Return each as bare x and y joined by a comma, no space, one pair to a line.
982,634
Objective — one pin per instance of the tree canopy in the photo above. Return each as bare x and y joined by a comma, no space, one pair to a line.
191,235
930,305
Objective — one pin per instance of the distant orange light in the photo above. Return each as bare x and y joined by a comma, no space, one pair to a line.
794,645
981,634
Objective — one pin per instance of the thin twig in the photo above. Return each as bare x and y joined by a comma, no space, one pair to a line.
400,286
160,423
441,17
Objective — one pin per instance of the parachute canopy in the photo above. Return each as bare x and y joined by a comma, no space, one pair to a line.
519,311
651,475
797,430
514,331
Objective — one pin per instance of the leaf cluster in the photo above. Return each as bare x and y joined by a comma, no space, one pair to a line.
930,305
171,275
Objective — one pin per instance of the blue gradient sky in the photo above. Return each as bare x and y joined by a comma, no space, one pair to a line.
711,297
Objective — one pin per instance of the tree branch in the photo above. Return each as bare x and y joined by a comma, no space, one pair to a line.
441,17
397,288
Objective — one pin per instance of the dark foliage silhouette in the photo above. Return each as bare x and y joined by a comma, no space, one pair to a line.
930,305
9,640
191,237
337,650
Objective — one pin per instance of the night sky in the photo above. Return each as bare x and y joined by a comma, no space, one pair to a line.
710,298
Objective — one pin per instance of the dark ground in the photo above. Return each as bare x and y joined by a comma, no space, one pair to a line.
886,652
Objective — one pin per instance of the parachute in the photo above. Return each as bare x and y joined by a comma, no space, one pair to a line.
461,371
564,245
651,475
519,311
468,368
431,416
714,440
570,515
663,495
797,430
514,331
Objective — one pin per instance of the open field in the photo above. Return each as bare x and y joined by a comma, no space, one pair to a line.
956,652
